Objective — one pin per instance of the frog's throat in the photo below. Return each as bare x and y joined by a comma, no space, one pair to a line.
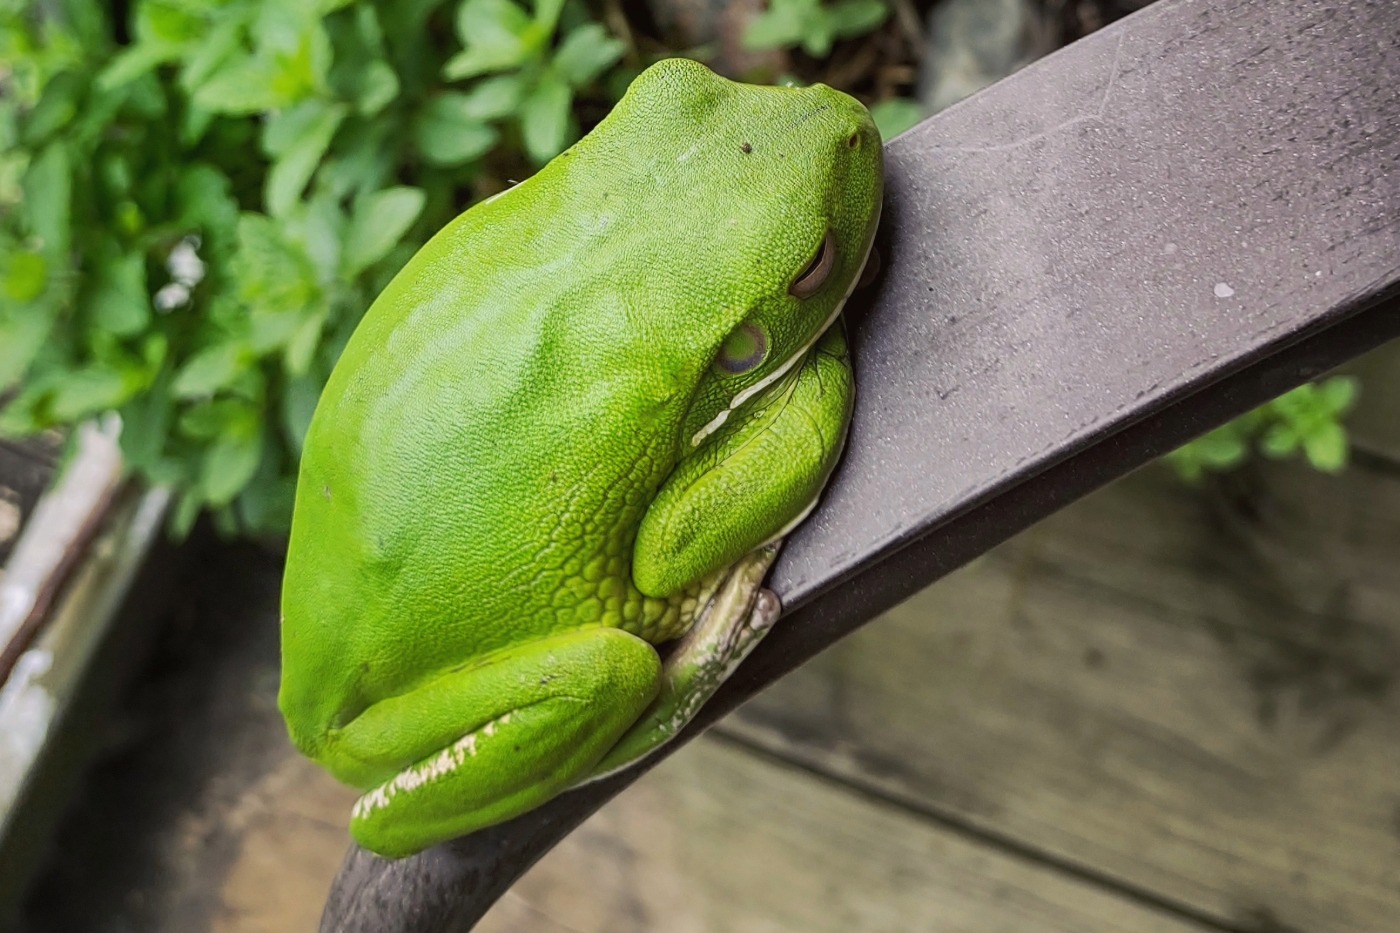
718,420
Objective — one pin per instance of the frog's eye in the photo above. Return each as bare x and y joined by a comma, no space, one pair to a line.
815,275
743,349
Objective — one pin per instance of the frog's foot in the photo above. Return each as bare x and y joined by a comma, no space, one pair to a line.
483,744
734,621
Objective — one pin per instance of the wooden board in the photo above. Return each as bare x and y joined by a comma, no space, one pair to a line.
718,839
1192,697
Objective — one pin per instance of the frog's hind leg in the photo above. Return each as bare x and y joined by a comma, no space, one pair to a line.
483,744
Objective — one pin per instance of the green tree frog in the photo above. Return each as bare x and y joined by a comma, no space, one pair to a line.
572,429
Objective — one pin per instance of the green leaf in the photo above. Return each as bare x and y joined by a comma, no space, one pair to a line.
304,73
58,104
544,119
25,275
270,271
167,24
318,227
230,463
282,129
207,420
896,115
857,17
207,204
817,36
472,62
491,24
378,221
165,32
145,428
282,28
119,302
447,134
25,414
379,88
586,53
1220,449
91,390
210,370
24,328
493,98
777,28
547,15
1187,466
221,44
494,34
1326,448
289,174
364,159
1279,441
1339,393
301,348
242,86
185,513
133,62
48,197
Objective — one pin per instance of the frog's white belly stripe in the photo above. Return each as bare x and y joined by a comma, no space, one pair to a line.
718,420
441,765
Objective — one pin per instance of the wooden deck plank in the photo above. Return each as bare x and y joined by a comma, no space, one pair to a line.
1195,701
718,839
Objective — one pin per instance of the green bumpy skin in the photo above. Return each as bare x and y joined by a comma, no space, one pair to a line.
572,428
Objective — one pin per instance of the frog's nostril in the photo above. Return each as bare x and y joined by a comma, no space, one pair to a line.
853,141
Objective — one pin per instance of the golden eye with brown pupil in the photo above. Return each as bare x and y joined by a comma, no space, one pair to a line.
744,349
818,270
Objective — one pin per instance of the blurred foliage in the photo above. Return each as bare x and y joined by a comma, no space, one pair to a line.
896,115
1307,420
815,25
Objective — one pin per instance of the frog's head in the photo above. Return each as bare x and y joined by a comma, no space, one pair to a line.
762,205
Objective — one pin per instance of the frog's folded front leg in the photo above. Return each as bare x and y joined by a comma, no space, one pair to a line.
480,745
722,513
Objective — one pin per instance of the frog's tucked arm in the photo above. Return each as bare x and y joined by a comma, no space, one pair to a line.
750,480
723,507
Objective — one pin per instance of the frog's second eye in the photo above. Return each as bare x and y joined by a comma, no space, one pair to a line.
743,349
817,271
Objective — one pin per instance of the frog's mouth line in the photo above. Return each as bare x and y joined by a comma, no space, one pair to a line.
718,420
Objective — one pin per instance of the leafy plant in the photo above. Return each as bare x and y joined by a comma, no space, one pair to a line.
193,221
534,81
814,25
1306,420
896,115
